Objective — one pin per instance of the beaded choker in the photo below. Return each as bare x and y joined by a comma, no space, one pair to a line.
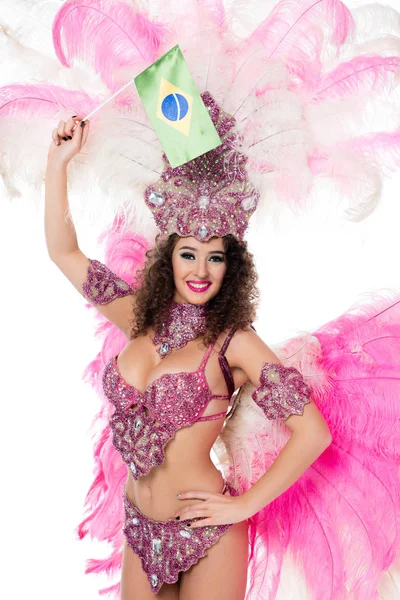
185,322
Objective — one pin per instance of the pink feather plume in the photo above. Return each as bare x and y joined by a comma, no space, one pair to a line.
124,254
106,35
359,75
346,506
40,100
285,31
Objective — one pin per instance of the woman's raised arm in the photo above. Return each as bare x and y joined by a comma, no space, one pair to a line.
112,296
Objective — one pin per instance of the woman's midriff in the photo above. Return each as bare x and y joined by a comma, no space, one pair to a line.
187,466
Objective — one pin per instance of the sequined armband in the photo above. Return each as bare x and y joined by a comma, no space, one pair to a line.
282,391
102,285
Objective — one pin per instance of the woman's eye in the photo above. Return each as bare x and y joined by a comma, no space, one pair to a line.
217,259
187,255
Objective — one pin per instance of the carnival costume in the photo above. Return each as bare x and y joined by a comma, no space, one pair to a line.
269,96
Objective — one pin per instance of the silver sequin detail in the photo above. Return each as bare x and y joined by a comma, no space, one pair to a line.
273,376
135,521
185,322
138,424
132,467
282,391
185,533
249,203
181,546
102,285
164,348
204,201
156,545
156,198
203,231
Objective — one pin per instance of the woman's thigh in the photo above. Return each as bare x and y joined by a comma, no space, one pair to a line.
134,582
223,572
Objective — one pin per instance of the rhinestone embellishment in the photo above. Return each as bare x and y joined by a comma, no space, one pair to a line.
164,553
273,376
132,467
164,348
282,391
184,322
102,285
156,545
135,521
156,198
249,203
204,201
185,533
138,424
203,232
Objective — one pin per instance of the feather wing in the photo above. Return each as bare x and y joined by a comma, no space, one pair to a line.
124,254
347,503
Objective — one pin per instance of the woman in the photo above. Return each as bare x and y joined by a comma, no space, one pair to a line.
194,306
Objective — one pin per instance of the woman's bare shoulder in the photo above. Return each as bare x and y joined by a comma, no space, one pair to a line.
246,346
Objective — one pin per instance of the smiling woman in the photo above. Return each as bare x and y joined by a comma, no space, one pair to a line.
176,267
189,345
308,447
206,263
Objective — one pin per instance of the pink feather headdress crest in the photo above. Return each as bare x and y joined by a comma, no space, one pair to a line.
302,88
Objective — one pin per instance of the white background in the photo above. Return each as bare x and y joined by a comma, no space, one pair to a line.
312,268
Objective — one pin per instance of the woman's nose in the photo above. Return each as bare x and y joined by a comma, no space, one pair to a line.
202,269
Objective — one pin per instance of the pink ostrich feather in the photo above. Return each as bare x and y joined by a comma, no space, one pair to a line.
340,522
359,75
125,253
383,147
217,11
106,35
36,100
286,30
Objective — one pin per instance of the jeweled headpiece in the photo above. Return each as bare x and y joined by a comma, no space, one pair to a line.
210,195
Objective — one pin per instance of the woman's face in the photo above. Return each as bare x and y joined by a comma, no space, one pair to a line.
199,269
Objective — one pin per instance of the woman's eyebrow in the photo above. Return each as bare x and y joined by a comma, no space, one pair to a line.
194,250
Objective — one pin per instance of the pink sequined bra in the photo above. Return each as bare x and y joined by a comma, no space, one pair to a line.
144,422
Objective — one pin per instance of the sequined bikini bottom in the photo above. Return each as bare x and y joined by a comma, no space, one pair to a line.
168,547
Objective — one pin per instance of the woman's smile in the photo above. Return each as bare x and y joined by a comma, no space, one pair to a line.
198,286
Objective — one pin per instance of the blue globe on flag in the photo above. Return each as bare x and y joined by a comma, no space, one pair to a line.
174,107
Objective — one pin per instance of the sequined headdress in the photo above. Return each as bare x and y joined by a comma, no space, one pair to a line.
210,195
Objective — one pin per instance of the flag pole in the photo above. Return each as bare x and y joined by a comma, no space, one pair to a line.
108,99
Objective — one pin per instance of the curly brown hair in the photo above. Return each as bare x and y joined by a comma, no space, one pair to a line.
234,305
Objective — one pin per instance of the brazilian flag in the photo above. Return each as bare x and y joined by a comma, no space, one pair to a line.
175,109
